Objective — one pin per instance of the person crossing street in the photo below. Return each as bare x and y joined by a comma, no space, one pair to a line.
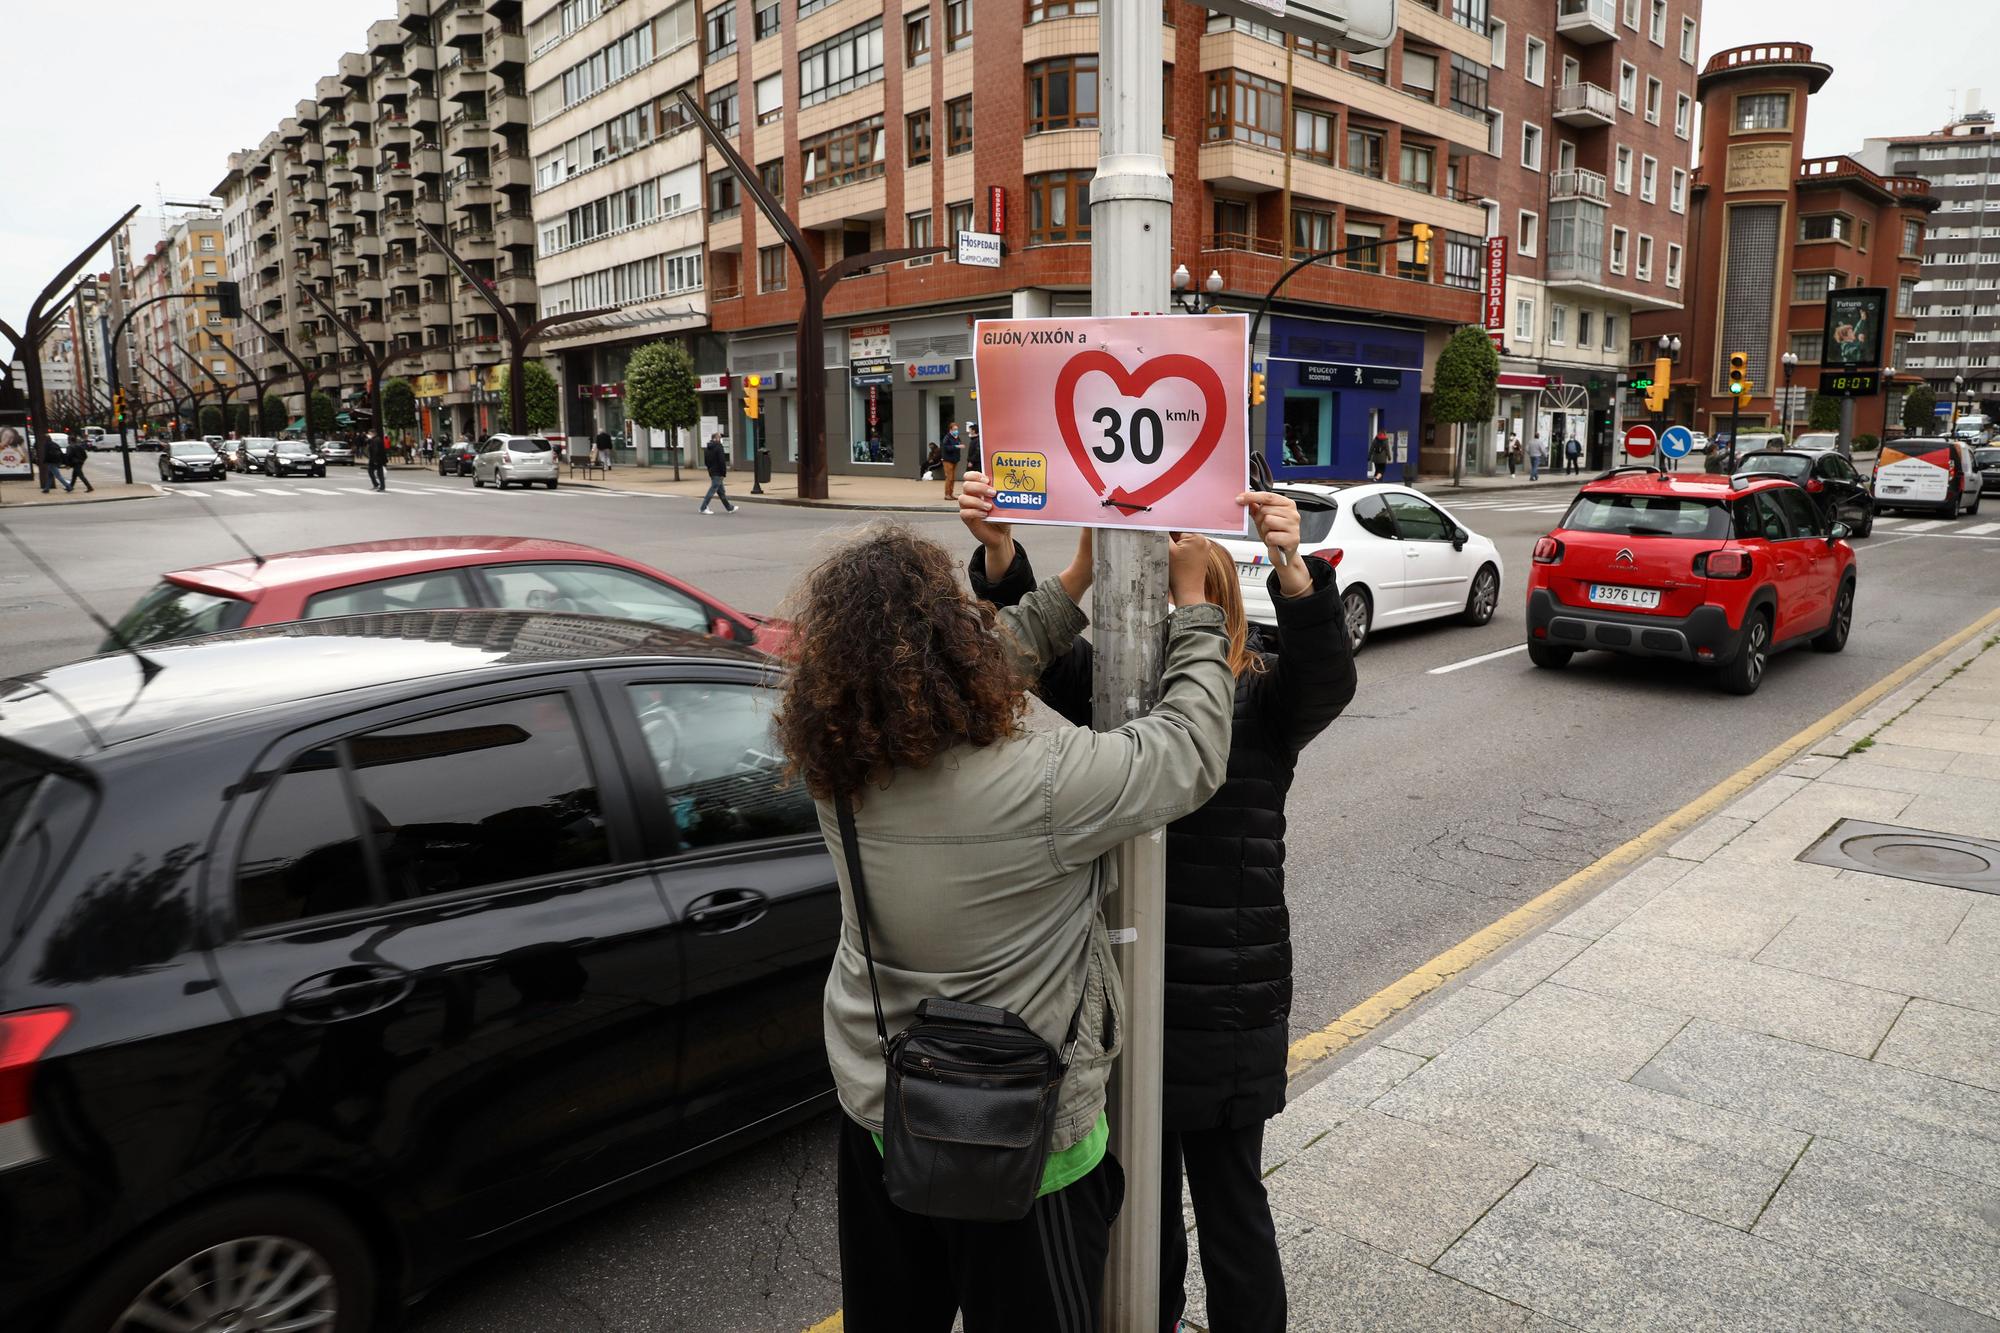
378,461
76,455
717,459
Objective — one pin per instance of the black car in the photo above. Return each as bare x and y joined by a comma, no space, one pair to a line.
293,457
1987,459
449,926
455,459
191,460
1841,492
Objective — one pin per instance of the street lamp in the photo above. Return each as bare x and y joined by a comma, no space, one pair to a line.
1790,361
1670,350
1957,388
1196,302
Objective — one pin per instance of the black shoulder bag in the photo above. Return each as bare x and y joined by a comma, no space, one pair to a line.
971,1099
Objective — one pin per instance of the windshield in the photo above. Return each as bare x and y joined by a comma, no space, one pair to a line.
1778,465
1985,458
193,448
295,447
1648,516
170,611
528,446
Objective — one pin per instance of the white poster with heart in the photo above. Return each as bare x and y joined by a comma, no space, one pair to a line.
1137,421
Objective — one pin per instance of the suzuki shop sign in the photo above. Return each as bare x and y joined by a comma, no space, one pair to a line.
931,370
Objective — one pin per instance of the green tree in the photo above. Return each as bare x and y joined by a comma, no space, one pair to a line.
543,399
1919,407
399,405
272,414
322,415
211,420
660,388
1825,413
1467,369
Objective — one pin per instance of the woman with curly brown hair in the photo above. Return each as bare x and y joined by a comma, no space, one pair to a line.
907,698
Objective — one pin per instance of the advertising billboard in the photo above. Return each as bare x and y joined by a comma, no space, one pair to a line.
1854,318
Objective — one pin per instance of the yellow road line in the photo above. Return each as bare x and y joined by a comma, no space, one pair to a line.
1400,994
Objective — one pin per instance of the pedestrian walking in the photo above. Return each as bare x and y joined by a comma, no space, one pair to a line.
971,462
1513,454
717,459
1229,976
76,455
949,451
888,718
1378,457
49,457
378,461
1574,451
600,448
1538,453
933,463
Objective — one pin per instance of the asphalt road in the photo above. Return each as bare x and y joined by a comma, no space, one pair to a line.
1440,801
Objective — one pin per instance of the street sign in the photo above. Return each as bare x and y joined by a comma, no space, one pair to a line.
1677,442
1137,421
1334,376
1850,383
1639,440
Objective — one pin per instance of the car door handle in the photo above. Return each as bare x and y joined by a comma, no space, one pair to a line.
730,909
347,992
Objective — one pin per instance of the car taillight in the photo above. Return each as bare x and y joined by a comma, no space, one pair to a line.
23,1038
1723,564
1815,486
1330,554
1548,551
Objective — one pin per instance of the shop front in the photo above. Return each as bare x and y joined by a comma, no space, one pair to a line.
1332,390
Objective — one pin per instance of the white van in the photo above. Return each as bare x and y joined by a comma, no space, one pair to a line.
1927,472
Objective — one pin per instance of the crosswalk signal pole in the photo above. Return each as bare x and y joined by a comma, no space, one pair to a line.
1131,213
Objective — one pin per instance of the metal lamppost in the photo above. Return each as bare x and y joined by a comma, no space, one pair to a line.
1957,389
1790,361
308,377
1670,348
819,284
1196,302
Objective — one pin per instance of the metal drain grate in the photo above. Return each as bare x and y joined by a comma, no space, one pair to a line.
1909,853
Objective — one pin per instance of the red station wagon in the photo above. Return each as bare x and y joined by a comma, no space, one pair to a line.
431,574
1714,570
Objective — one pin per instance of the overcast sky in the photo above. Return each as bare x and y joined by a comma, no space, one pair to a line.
115,102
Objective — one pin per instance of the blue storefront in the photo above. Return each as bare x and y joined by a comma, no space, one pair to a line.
1330,388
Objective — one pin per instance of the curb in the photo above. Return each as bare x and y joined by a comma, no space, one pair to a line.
56,504
891,507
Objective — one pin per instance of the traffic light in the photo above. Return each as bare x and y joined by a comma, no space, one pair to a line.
1739,373
118,408
1662,385
1421,231
229,300
1743,395
751,384
1256,387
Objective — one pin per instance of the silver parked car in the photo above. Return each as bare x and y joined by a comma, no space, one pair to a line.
508,460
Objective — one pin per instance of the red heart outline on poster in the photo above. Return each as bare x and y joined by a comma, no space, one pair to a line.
1133,384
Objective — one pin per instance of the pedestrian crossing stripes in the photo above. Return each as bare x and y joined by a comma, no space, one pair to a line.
419,489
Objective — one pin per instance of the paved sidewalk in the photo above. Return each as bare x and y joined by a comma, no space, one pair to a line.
28,495
1730,1091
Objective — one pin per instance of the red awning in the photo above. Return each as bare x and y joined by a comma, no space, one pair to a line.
1506,381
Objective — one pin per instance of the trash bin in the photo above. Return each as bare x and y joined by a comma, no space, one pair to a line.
763,465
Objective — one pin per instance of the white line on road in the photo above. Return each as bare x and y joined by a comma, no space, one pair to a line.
1475,661
1982,529
1927,525
277,490
223,490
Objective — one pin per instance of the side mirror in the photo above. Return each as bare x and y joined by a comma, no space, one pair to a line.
722,627
1459,536
1840,532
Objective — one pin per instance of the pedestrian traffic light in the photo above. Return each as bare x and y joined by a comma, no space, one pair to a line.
229,300
751,384
1662,385
1256,387
1739,373
1421,231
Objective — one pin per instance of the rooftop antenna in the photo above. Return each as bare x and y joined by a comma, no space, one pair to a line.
148,668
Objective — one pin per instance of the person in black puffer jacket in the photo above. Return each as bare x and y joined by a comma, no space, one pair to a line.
1229,952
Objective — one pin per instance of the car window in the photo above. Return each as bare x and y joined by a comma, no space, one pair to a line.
1419,521
528,446
1316,519
1804,514
1373,516
1777,465
170,611
1986,457
303,856
720,770
477,796
596,590
1759,516
1626,515
1835,467
443,589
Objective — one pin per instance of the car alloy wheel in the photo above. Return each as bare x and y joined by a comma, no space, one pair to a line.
248,1285
1354,605
1484,598
1834,637
1746,672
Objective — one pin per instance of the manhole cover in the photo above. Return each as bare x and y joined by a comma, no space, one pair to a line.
1909,853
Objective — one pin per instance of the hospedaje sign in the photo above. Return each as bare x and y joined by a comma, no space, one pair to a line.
1495,291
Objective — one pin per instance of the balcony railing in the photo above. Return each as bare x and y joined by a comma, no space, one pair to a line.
1587,21
1577,184
1585,104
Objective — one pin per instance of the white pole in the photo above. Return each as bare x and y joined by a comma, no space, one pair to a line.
1130,262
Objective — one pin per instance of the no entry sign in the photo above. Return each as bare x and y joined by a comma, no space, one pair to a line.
1139,421
1639,441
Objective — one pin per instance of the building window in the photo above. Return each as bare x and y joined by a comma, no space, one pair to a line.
1611,332
1906,297
1060,9
1370,65
723,201
718,31
1531,147
1628,87
1059,207
1312,232
1619,239
1558,324
1464,261
843,156
1655,92
1683,115
722,108
1062,94
764,21
957,218
1808,347
1673,265
1535,61
1687,40
772,174
1497,54
1644,271
1246,108
1913,237
1632,14
841,63
771,268
1469,81
957,24
1528,234
1811,288
770,97
958,126
1364,152
1622,173
1583,329
1524,319
1417,168
1469,14
917,39
1312,134
1231,224
1762,111
1420,75
1367,259
1649,179
208,245
1825,227
917,136
1678,191
1861,239
916,235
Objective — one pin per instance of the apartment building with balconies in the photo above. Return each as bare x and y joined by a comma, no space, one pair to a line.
183,336
427,125
1587,188
884,126
617,180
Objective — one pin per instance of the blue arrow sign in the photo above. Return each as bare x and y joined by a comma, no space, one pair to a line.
1677,442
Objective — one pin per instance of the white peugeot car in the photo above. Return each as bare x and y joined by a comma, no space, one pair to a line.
1399,557
508,460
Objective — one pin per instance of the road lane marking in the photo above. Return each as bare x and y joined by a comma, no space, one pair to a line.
276,490
1927,525
223,490
1364,1018
1981,530
1475,661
